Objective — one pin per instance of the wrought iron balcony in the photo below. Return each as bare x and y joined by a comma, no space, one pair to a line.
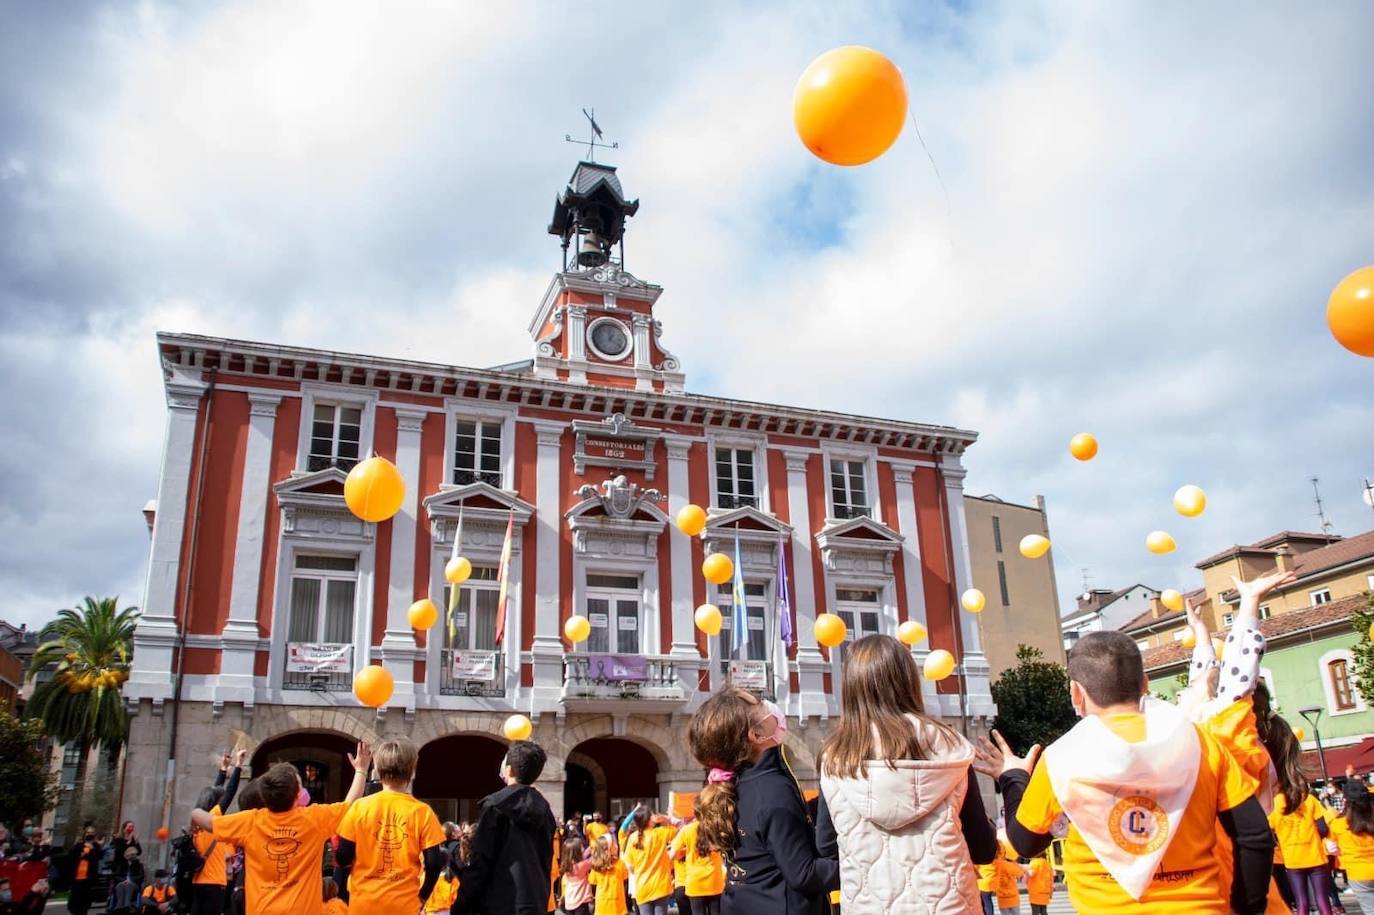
618,677
479,673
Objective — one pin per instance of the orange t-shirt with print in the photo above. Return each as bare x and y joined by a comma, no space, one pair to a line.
703,875
444,895
1187,877
1297,831
335,906
1040,881
283,855
214,871
391,830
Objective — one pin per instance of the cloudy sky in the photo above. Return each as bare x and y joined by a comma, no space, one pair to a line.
1147,207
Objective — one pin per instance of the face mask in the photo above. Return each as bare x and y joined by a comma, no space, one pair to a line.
501,770
779,733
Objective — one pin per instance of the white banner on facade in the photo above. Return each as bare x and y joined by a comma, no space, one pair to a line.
318,658
749,674
474,665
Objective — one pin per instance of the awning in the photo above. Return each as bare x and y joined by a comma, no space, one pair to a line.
1359,755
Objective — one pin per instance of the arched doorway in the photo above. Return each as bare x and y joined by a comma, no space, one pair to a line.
321,758
456,772
579,790
628,774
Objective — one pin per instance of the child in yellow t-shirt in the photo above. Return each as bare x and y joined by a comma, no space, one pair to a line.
333,905
703,871
1146,783
392,840
445,892
1039,885
1006,881
608,876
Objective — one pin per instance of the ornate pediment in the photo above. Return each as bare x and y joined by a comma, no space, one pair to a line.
760,536
485,511
859,546
617,519
312,506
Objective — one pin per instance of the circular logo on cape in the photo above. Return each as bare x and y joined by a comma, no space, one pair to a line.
1138,825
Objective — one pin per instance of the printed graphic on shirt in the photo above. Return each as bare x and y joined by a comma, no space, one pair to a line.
391,838
1138,825
280,849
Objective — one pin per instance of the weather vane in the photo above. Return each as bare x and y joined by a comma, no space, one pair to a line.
592,145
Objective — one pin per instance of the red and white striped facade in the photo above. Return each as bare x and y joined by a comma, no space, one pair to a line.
240,515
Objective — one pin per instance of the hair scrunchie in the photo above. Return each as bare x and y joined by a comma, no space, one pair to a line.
716,776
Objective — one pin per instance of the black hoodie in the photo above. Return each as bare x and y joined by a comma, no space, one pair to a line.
508,869
776,868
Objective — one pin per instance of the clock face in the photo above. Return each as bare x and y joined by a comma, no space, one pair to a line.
609,339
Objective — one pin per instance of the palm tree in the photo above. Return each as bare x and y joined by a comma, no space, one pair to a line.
90,646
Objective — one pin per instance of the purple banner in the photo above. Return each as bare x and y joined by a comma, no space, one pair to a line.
617,667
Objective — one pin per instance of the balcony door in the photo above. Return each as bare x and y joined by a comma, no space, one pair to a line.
613,608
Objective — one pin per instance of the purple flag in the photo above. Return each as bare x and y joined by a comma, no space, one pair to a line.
784,603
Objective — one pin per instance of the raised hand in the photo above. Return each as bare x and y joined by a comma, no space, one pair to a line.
995,757
1253,591
362,758
240,756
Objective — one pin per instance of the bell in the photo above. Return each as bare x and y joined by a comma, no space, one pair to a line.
592,253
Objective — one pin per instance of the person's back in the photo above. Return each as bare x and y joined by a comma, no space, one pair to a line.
646,855
392,841
1143,788
607,877
899,793
1039,884
509,865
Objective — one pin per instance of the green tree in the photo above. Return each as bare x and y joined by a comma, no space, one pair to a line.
1032,701
1362,620
82,703
28,784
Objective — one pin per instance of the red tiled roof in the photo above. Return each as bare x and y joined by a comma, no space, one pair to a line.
1313,562
1273,628
1267,545
1195,596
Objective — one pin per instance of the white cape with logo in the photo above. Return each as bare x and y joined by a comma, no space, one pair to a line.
1127,799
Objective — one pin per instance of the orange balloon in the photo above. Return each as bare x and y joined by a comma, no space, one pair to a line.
373,685
163,832
1350,312
691,520
708,619
374,489
422,614
717,568
517,727
1299,733
849,105
1083,446
1171,599
910,632
458,570
577,628
939,664
1188,640
1159,543
830,630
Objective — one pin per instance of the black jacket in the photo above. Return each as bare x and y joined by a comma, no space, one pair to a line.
509,865
776,868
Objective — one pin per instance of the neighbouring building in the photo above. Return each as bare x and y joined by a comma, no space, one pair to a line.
1105,610
1309,660
1022,596
17,645
266,593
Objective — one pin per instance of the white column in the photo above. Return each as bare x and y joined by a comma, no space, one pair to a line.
643,364
577,344
684,628
974,664
155,637
240,634
399,651
810,665
547,649
902,475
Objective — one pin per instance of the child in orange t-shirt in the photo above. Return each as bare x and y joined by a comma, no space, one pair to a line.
608,876
1146,784
333,905
1040,885
284,844
392,840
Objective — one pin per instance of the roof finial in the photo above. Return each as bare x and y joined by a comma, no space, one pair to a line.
595,135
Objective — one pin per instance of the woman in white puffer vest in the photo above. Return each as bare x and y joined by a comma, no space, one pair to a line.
899,800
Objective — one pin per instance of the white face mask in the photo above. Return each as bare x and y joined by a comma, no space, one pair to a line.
501,770
779,733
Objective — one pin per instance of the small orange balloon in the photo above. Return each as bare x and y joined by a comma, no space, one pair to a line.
577,628
1083,446
373,685
162,833
374,489
691,520
939,664
717,568
910,632
830,630
1188,640
973,600
458,570
422,614
517,727
1159,543
1350,312
1299,733
1033,546
849,105
708,619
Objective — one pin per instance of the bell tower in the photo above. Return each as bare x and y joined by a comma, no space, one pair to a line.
596,324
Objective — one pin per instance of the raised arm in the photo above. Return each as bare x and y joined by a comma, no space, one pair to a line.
360,761
231,784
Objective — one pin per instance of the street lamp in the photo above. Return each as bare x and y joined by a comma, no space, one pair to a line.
1313,714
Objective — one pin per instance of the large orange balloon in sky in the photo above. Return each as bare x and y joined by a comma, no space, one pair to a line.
373,685
849,105
1350,312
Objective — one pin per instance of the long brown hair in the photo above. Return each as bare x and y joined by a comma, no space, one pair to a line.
572,853
880,689
703,848
639,823
603,854
1284,751
719,739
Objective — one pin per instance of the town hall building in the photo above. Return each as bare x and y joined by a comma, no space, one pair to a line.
265,594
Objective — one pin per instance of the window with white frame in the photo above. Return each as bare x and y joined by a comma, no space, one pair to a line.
323,597
1264,611
735,478
477,451
861,609
849,488
1178,634
335,436
1143,644
1227,619
472,625
756,625
613,610
1342,693
1318,598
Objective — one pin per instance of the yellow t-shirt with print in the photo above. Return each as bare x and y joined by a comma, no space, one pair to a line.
647,855
391,830
703,875
1187,879
1357,851
1297,831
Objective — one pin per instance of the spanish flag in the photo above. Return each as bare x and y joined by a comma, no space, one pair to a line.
503,576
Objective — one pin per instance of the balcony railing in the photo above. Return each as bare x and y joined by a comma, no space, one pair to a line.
322,667
480,673
614,676
845,512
